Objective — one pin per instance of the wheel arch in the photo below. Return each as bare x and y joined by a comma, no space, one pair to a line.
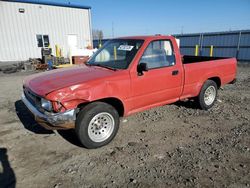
115,102
217,80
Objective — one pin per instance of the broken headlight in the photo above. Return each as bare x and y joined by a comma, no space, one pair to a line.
47,105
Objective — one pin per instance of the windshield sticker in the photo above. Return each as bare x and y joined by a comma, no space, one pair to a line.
125,47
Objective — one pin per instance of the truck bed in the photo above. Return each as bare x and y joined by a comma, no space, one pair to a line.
199,69
186,59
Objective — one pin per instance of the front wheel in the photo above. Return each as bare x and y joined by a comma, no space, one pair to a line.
97,124
208,95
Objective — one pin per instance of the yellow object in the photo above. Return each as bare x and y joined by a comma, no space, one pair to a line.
211,50
100,43
64,66
58,54
115,53
196,50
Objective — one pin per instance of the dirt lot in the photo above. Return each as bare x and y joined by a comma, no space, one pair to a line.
171,146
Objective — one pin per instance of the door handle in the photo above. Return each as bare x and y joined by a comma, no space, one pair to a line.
175,72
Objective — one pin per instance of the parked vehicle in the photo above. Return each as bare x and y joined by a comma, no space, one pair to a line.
127,75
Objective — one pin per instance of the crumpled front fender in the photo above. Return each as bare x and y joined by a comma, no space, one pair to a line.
69,97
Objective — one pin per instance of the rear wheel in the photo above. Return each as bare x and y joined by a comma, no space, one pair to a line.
97,124
208,95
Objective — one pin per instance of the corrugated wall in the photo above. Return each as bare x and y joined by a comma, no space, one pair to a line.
225,44
18,30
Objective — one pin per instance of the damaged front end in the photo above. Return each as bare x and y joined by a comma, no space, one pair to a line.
50,120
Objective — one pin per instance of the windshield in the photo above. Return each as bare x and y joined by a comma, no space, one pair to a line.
116,53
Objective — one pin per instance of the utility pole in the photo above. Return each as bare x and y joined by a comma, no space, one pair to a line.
113,35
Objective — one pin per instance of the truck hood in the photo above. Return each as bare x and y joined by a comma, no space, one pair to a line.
46,82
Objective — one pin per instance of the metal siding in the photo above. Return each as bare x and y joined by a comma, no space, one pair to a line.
189,40
19,30
245,39
187,51
225,52
220,40
226,44
54,3
90,26
244,54
205,52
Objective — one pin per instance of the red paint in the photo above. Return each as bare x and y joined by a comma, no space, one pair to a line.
81,84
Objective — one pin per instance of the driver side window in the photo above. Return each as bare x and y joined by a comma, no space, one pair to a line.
158,54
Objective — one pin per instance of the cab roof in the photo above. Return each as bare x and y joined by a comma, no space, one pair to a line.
148,37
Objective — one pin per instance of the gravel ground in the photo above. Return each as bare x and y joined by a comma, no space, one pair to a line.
171,146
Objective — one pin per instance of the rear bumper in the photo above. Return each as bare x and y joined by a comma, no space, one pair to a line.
52,121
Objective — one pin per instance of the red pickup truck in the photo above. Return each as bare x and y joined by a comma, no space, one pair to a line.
127,75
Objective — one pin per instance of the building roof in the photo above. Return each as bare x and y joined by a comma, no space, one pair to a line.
69,4
213,33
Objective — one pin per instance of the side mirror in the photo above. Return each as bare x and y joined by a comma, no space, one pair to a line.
142,67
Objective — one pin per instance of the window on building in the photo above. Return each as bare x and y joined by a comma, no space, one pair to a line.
45,40
42,40
39,39
158,54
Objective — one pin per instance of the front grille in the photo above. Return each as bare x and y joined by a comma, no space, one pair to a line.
34,99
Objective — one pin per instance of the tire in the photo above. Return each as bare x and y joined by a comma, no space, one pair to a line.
97,124
208,95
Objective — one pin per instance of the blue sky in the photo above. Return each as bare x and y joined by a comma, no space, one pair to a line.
143,17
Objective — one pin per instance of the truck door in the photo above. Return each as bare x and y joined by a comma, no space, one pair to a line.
162,82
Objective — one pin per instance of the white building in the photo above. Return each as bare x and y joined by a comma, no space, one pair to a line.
28,25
